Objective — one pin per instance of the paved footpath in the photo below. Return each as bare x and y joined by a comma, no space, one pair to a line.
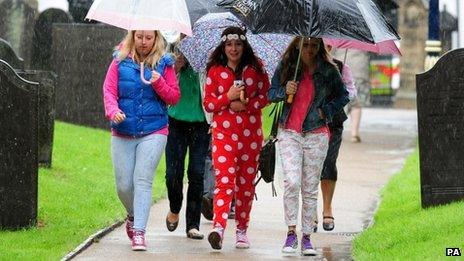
388,136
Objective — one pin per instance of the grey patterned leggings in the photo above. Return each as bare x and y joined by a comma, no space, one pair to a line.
302,157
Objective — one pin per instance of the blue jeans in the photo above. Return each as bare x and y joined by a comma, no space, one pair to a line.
135,162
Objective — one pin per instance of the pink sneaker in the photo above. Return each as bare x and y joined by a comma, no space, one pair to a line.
215,237
138,241
130,227
242,241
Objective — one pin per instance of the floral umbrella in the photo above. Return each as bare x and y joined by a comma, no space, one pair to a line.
206,37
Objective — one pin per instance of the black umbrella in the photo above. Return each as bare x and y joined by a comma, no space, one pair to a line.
198,8
348,19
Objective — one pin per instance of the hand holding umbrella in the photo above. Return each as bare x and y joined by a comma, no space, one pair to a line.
290,95
290,89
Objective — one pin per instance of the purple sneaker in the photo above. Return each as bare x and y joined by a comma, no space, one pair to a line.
306,247
291,243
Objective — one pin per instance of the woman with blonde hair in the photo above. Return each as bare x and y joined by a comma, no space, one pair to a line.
303,136
137,109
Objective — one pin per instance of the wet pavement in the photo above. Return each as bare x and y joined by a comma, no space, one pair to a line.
388,136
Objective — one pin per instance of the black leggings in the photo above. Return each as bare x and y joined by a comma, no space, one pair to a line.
329,171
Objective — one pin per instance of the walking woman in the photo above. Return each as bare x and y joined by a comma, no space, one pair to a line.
139,122
303,136
188,129
237,132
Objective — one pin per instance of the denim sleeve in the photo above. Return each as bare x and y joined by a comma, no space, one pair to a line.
276,92
341,96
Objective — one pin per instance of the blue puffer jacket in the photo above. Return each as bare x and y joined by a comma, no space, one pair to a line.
145,111
327,83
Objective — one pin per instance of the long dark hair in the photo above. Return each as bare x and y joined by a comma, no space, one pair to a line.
218,56
290,58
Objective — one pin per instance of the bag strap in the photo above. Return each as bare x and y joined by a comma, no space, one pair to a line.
276,112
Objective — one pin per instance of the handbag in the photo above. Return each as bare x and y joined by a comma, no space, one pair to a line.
267,155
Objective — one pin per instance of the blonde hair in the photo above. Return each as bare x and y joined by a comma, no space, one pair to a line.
128,48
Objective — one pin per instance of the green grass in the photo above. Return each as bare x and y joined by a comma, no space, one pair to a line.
403,230
77,197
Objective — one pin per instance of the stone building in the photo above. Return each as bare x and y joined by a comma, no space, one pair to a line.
412,27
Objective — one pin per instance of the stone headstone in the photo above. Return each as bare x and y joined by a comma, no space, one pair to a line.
9,55
79,9
18,149
46,88
80,57
440,110
42,43
17,19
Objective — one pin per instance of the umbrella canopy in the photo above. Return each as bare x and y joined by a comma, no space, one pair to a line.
206,37
340,19
386,47
142,14
199,8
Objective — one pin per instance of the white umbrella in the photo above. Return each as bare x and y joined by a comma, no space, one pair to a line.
142,14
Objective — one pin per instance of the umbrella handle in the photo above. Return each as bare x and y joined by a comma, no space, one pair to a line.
290,97
142,78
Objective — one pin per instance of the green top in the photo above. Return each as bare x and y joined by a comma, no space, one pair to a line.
189,107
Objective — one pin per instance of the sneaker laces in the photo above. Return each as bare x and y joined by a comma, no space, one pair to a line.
306,242
291,239
241,235
138,238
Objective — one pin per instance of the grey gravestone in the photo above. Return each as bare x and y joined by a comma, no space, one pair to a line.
440,110
79,9
9,55
18,150
42,43
47,83
17,19
80,57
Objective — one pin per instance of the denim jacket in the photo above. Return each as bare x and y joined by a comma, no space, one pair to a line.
327,82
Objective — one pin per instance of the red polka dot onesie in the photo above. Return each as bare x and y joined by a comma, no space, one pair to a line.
237,141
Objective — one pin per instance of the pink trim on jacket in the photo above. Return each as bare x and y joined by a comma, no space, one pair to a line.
166,87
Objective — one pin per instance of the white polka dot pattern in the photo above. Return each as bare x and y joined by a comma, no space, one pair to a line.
249,81
253,145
